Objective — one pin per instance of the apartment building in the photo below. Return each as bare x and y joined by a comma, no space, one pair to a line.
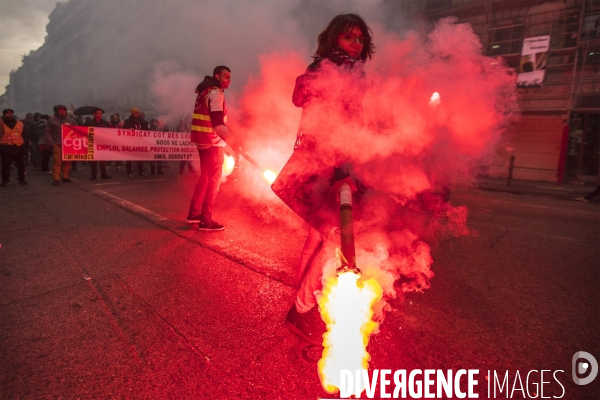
568,94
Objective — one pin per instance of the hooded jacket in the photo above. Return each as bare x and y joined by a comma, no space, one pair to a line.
313,93
117,124
54,128
210,111
305,90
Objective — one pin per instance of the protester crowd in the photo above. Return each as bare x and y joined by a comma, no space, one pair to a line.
35,141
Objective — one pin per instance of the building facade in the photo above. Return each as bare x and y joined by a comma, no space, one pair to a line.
570,92
76,64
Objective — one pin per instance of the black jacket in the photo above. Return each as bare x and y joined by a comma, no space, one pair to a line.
29,131
102,124
39,127
133,123
314,95
350,100
208,81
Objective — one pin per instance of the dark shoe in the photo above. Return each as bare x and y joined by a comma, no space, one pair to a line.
210,226
160,173
4,184
22,182
582,199
309,326
192,219
143,174
55,183
106,176
93,178
67,180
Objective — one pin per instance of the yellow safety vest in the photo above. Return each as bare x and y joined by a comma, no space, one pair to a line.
203,133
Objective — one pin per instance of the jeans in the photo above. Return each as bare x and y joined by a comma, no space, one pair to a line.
205,193
140,167
94,165
156,166
310,270
46,155
182,167
35,154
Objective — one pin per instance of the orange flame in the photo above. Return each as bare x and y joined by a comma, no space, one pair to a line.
228,165
270,176
347,309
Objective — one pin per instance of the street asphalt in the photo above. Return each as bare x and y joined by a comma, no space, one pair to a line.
106,292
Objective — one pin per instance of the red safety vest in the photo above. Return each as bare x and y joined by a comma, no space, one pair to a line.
203,133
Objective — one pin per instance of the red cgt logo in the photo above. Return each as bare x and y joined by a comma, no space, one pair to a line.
75,141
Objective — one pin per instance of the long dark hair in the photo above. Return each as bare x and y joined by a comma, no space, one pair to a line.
340,24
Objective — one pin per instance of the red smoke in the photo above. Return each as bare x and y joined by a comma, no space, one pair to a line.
408,151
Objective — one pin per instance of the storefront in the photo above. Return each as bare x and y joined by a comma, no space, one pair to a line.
583,157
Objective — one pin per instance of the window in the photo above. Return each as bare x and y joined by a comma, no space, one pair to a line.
590,27
505,40
432,5
564,32
592,56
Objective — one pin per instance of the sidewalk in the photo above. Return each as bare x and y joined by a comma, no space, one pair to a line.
534,188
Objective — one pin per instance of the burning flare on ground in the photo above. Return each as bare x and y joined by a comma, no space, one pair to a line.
228,165
346,307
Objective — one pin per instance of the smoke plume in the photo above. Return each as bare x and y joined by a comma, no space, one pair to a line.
411,147
433,111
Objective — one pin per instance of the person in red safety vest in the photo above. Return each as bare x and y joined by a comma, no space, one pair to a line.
210,133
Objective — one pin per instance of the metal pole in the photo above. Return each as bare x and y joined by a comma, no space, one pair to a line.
347,228
573,95
510,170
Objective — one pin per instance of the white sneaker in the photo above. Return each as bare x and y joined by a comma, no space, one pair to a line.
581,199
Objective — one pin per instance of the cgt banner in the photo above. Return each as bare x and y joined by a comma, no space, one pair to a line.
108,144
